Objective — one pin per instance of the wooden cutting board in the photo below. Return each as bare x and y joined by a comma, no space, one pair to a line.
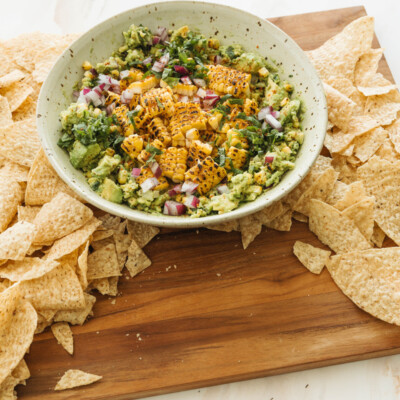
207,312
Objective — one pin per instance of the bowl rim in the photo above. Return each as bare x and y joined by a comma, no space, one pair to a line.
96,200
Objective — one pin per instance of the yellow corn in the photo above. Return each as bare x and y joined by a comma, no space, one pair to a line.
233,138
87,66
145,155
206,173
135,101
147,173
198,151
260,177
134,75
173,163
178,140
112,98
250,107
228,80
158,101
144,85
187,116
158,130
124,122
238,157
132,145
185,90
214,120
191,134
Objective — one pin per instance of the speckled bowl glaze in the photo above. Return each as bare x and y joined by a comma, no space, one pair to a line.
228,24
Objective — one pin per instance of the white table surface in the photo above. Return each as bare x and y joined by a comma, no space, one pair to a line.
364,380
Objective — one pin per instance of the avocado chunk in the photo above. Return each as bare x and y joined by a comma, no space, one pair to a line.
111,191
81,155
106,165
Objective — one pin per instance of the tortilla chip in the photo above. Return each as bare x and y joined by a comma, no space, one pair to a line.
7,387
228,226
338,56
388,152
378,236
337,102
366,145
74,378
384,108
60,217
367,65
271,212
313,258
59,289
250,228
346,87
371,280
381,179
15,241
73,241
362,213
27,213
100,235
20,142
25,111
102,285
394,134
282,223
110,221
11,196
122,243
14,172
354,193
338,191
334,229
18,321
14,76
103,263
62,332
26,269
45,60
376,86
113,286
43,182
142,233
16,94
347,172
320,189
77,316
82,265
300,217
137,260
5,112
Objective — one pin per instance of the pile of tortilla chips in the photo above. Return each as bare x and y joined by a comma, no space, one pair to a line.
55,250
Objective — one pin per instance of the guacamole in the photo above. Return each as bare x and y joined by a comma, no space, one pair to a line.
176,123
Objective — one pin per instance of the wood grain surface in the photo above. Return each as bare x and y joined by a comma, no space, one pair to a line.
207,312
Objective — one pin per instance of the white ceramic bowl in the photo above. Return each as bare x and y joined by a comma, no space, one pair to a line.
228,24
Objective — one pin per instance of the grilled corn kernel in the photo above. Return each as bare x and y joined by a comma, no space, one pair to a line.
132,145
238,157
284,101
228,80
122,176
263,72
173,163
87,66
109,151
198,151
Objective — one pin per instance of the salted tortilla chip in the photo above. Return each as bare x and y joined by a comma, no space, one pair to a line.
299,217
43,182
384,108
122,243
82,265
16,94
381,179
60,217
271,212
250,228
338,56
388,152
25,111
371,280
59,289
110,221
365,146
27,269
355,192
18,321
313,258
102,285
14,172
394,134
378,236
282,223
103,234
113,286
73,241
20,142
367,65
347,172
337,102
74,378
5,112
334,229
142,233
346,87
62,332
45,60
79,315
228,226
10,78
15,241
320,189
362,213
338,191
11,195
137,260
376,86
27,213
103,263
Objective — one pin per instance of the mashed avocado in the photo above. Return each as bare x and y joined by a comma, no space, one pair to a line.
138,36
249,62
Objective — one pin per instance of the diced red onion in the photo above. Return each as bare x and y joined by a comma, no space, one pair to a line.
157,66
156,39
155,169
93,72
109,83
273,122
124,74
96,97
184,99
211,95
149,184
86,90
136,172
269,159
175,190
223,189
191,201
264,125
275,114
126,96
189,187
181,70
199,82
263,112
164,59
201,93
83,99
162,33
147,60
196,99
217,59
110,108
173,208
186,80
209,103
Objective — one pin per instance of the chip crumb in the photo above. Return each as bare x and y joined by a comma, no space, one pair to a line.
218,274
